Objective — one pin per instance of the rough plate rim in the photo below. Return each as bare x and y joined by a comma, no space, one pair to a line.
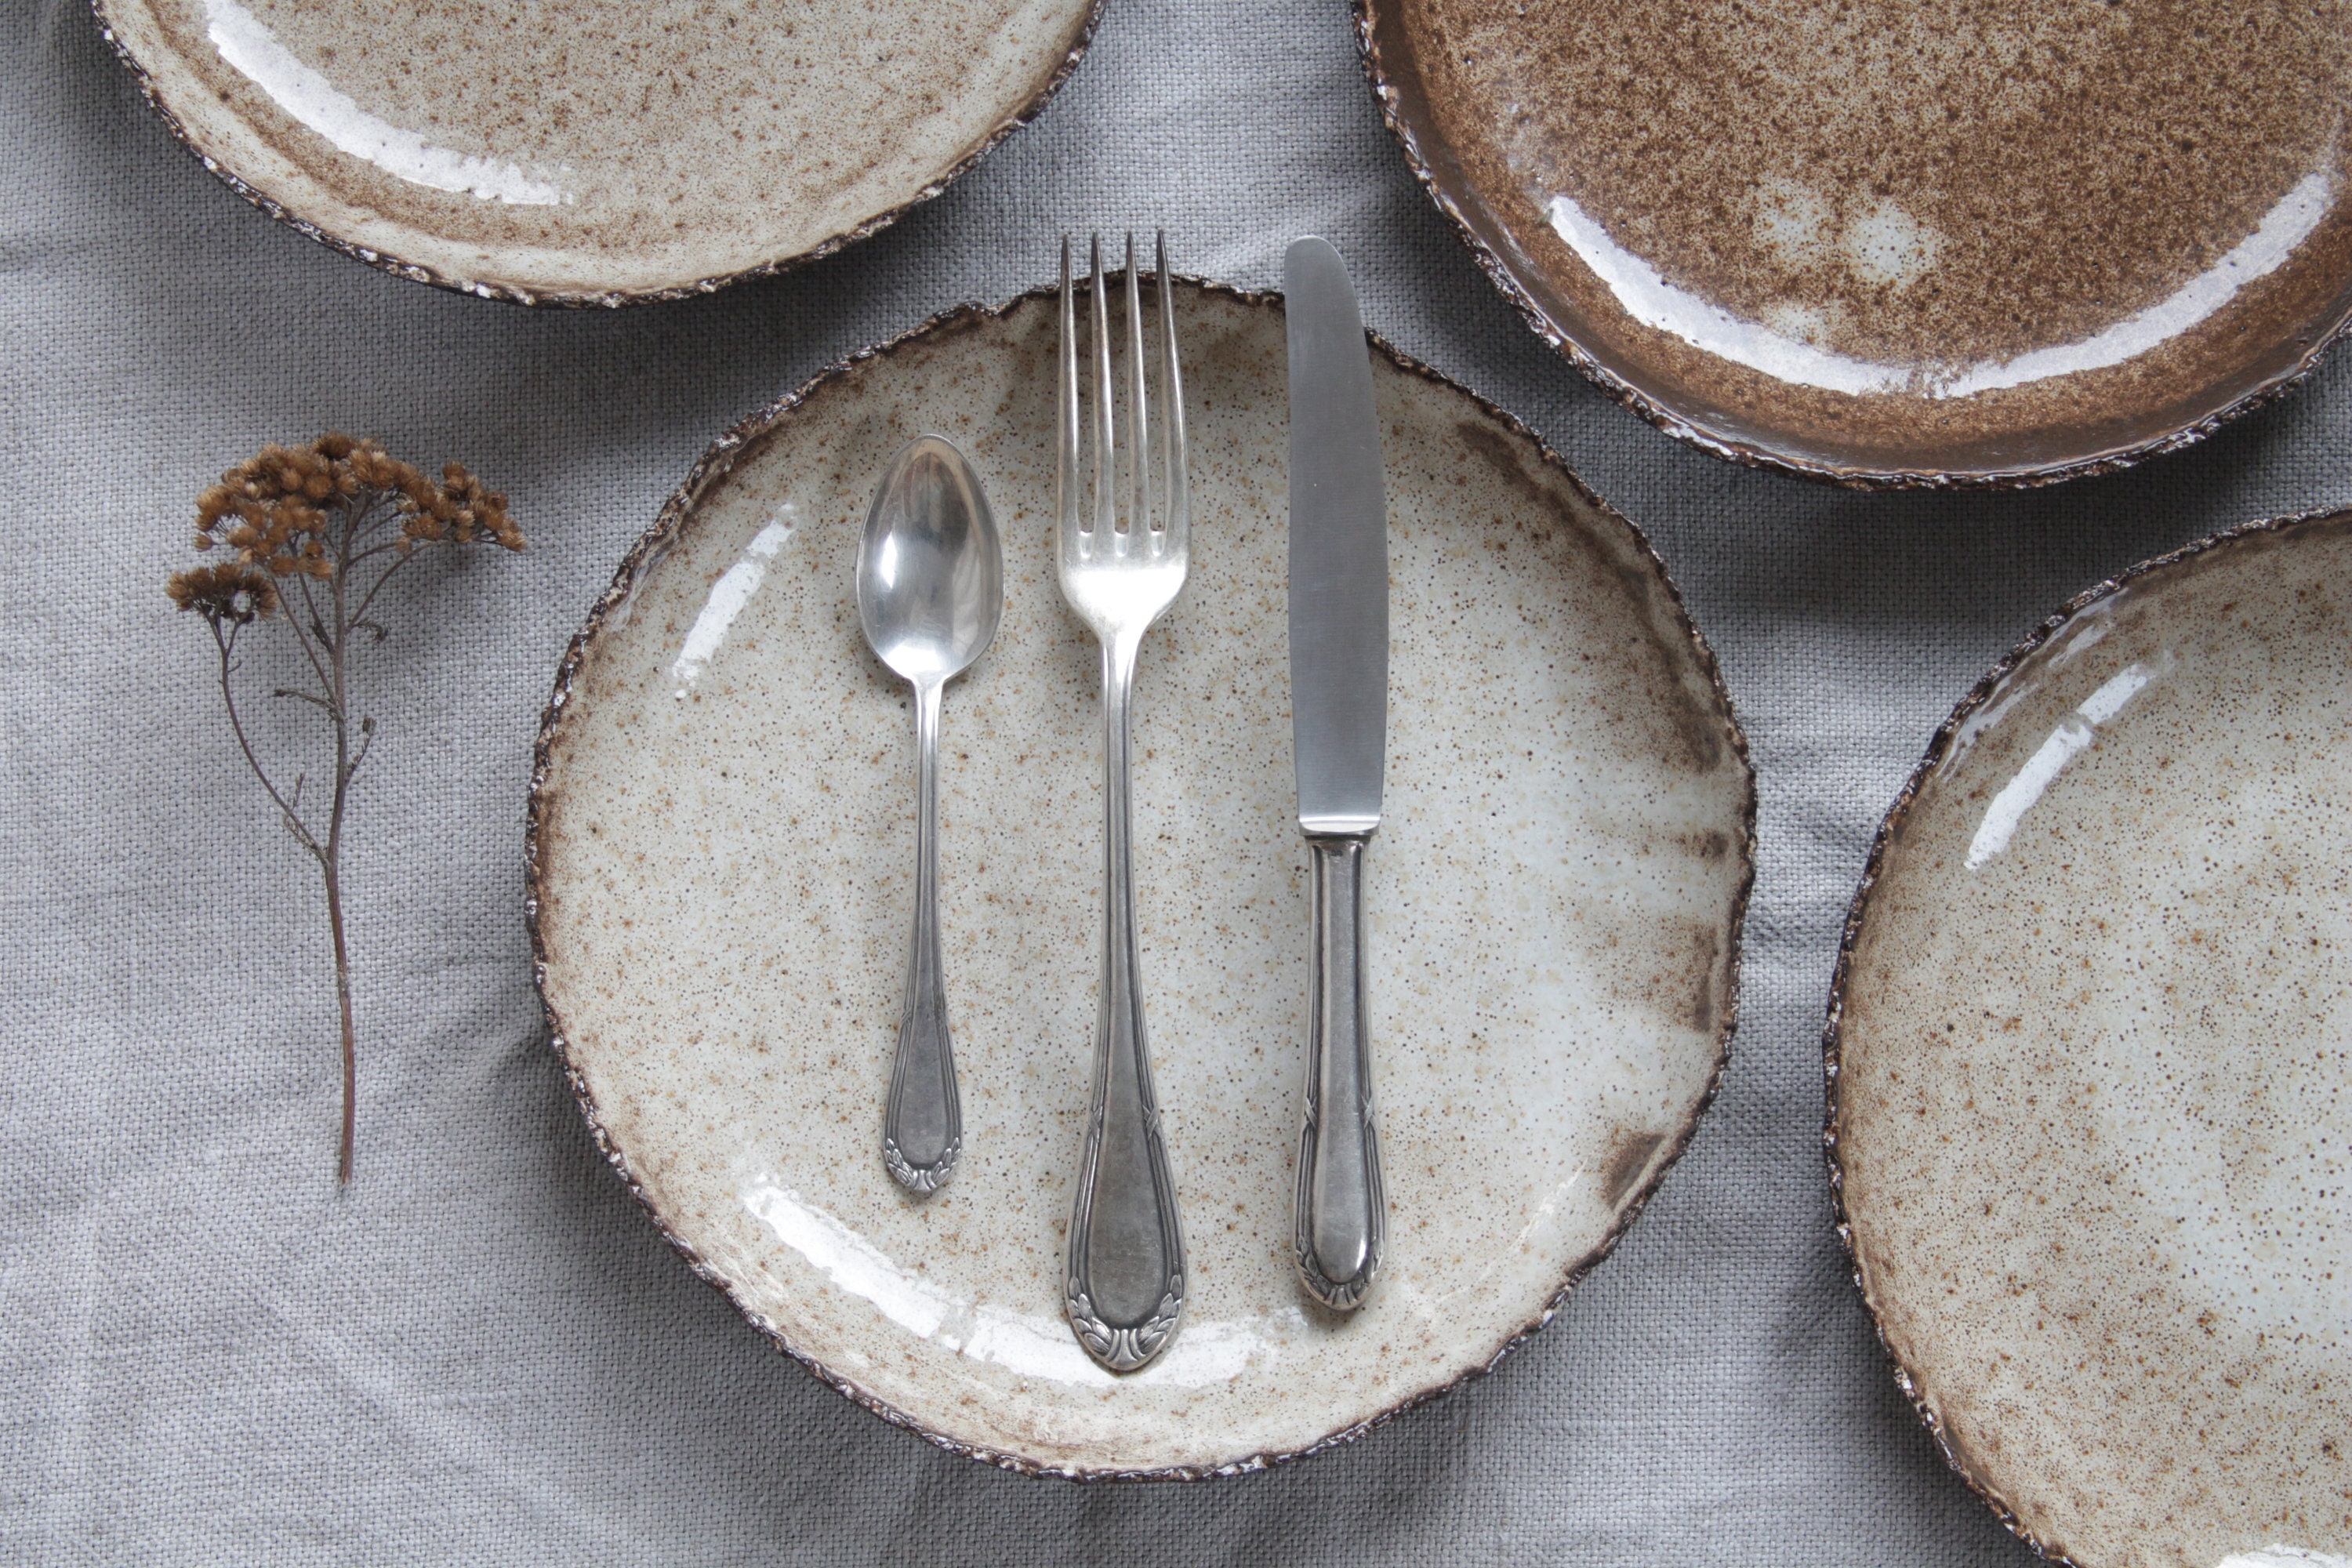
655,542
416,272
1858,908
1375,16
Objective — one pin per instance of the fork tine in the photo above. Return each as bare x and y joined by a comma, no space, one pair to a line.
1139,427
1177,492
1106,457
1067,432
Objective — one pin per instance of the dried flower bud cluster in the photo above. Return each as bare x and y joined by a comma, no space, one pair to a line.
460,508
278,511
232,592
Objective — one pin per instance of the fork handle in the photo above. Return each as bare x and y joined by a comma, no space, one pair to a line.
1340,1226
1125,1286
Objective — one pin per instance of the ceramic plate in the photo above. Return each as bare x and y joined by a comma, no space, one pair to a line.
1908,243
722,860
2091,1098
592,152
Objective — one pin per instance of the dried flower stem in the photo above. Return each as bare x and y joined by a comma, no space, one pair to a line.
340,518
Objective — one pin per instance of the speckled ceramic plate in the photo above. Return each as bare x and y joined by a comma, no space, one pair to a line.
1912,242
2090,1096
592,152
722,846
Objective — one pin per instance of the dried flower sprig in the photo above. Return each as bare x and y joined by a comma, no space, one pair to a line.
317,531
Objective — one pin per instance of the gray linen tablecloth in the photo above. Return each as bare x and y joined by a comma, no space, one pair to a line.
482,1353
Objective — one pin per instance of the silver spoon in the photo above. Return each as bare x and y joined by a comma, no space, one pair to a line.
930,589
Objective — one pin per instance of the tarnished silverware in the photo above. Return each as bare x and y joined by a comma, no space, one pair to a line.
930,589
1124,1288
1338,705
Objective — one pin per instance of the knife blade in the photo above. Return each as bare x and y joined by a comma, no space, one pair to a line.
1339,698
1339,551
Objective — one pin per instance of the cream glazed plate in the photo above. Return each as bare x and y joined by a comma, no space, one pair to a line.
1910,242
2090,1065
722,858
592,152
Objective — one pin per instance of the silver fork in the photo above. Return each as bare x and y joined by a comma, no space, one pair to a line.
1125,1284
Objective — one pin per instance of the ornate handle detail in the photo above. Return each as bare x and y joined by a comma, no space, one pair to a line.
922,1121
1341,1224
1125,1286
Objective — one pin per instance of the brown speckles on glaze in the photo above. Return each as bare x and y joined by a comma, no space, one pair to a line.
598,151
1706,946
1829,239
1500,453
1534,893
1629,1155
2088,1099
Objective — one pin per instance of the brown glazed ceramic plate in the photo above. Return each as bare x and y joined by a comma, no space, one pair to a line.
1913,242
722,857
2090,1067
592,152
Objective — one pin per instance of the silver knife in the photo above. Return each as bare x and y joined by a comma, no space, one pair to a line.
1338,704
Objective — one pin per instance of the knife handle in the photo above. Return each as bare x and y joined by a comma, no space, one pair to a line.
1341,1224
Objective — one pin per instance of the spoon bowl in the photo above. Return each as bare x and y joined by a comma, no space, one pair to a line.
930,570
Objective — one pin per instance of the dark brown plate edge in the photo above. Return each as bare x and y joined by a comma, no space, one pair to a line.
1385,72
656,541
1073,51
1890,826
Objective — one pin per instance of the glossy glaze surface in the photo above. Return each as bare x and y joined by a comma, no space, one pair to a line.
1918,240
585,150
2092,1110
722,843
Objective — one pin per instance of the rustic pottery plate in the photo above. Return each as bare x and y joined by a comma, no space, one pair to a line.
1928,242
2090,1091
722,850
592,152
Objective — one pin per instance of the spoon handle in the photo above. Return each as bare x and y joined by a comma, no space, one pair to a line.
1126,1281
922,1124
